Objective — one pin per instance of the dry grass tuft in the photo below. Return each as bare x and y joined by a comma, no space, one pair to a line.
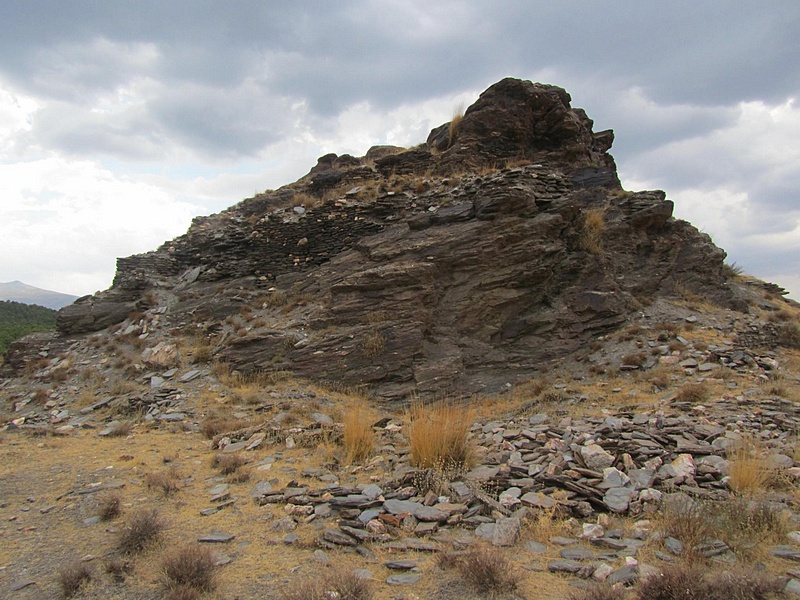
679,582
487,570
373,343
359,439
685,520
635,359
165,482
746,526
190,566
335,584
109,507
214,426
228,463
439,435
201,351
122,429
117,568
749,468
455,122
592,229
693,392
690,582
72,577
142,529
789,334
182,592
247,394
752,585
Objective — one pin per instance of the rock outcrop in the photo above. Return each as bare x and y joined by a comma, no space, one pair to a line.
458,266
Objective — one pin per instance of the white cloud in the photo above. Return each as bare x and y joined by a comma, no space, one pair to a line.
738,183
65,222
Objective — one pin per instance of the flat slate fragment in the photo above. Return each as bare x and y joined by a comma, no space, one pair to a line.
404,579
564,566
216,538
21,584
400,565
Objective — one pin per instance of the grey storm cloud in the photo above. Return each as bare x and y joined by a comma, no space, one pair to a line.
213,83
226,70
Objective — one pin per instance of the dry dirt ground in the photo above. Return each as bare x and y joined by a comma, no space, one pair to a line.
43,528
51,487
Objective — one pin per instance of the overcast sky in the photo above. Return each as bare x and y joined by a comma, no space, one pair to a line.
120,121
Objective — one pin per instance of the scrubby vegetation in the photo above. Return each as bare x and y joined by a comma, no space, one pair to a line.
17,320
143,528
191,566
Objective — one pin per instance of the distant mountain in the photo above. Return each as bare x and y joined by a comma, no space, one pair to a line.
17,291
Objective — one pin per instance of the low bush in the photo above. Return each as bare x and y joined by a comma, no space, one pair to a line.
339,584
687,521
109,507
744,525
228,463
190,566
692,392
72,577
216,425
789,334
117,568
142,529
166,481
486,570
692,582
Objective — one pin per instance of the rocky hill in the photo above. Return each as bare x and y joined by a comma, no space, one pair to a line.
503,243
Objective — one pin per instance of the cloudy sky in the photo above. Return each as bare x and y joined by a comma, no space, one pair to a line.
120,121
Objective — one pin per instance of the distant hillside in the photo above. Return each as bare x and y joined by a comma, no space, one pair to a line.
17,291
18,319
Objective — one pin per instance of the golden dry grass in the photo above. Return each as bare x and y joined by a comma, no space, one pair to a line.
439,435
455,122
358,439
749,468
592,229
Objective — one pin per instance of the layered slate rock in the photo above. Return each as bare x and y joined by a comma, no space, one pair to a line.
463,265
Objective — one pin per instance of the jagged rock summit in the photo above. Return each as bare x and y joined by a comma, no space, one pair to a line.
503,243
